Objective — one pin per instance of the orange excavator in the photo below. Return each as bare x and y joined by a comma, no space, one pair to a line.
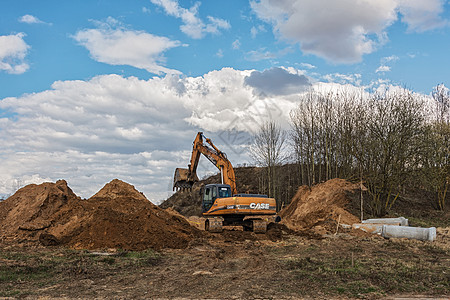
221,203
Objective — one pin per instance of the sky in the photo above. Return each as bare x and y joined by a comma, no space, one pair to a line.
93,90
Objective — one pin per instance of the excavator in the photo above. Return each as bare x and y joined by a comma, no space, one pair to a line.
222,205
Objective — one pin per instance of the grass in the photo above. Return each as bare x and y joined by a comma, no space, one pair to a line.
436,219
342,268
367,275
47,268
144,258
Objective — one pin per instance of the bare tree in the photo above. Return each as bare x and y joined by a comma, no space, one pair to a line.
394,129
435,158
305,135
323,129
267,150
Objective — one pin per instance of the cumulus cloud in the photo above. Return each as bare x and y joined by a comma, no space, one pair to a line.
113,44
193,26
29,19
422,15
343,31
13,50
89,132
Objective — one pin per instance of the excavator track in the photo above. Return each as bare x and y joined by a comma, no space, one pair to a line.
259,226
214,225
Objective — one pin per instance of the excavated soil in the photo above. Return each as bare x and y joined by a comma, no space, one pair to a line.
312,212
118,216
321,207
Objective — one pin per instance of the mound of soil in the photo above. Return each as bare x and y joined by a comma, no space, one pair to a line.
33,207
320,207
118,216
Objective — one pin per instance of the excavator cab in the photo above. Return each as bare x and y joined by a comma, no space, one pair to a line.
211,192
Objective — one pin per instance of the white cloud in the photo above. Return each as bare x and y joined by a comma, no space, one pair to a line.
216,24
344,79
261,54
382,69
13,50
307,66
391,58
254,31
89,132
343,31
112,44
236,44
422,15
192,26
29,19
219,53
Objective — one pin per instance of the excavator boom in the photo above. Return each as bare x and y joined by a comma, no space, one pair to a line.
185,178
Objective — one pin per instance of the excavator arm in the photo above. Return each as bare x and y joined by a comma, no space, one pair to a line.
185,178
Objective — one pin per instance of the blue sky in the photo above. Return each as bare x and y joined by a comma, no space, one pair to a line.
94,90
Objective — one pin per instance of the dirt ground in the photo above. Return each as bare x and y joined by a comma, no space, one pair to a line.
235,265
117,244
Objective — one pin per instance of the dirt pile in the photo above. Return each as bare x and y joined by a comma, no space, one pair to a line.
320,207
118,216
33,208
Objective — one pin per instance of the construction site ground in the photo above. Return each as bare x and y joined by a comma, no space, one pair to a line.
235,265
117,244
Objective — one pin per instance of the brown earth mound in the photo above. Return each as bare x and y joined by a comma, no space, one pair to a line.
320,207
33,207
118,216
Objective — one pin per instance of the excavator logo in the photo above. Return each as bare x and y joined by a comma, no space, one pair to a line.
259,205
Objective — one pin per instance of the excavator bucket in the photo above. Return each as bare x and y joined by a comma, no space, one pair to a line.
181,179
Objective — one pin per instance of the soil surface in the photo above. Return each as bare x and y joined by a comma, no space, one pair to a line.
118,216
235,265
117,244
322,208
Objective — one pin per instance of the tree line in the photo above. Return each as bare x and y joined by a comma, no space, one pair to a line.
387,140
